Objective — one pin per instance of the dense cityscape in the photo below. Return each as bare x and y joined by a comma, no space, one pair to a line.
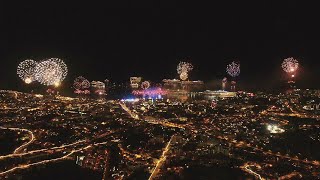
156,90
170,130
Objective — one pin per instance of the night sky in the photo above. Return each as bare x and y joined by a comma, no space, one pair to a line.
116,41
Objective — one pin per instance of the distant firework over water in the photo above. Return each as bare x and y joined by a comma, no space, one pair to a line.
150,92
183,69
184,76
290,65
26,70
233,69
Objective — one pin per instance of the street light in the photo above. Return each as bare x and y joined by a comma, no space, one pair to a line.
28,80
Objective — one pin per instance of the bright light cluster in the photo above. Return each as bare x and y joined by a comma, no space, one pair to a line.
145,84
274,129
184,76
233,69
183,69
51,71
78,91
26,70
150,92
81,83
48,72
100,87
51,91
290,65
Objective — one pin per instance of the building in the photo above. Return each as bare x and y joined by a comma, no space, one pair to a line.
190,86
98,88
135,82
220,94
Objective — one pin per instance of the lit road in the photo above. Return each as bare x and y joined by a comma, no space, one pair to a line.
29,165
131,156
39,150
133,115
31,137
71,148
25,166
246,167
161,160
243,144
149,119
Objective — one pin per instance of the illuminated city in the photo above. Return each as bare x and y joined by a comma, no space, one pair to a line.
185,114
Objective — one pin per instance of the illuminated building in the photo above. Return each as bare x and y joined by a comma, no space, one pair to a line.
171,83
79,160
135,82
274,129
98,88
221,94
190,86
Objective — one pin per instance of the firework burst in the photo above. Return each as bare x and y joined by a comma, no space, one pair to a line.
81,83
184,76
26,70
290,65
233,69
183,69
145,84
51,72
